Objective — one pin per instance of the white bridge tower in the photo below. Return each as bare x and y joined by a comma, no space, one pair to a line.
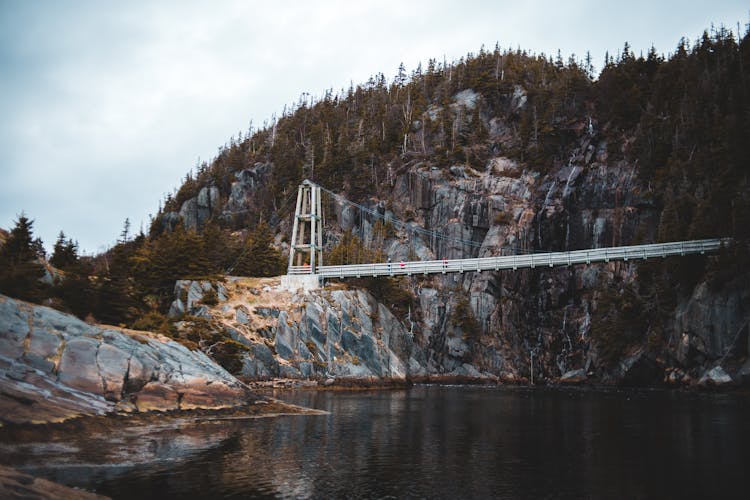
306,250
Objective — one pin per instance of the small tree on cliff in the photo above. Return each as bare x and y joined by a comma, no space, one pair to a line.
260,257
351,250
20,268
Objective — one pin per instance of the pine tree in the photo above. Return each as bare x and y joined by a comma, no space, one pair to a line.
157,264
125,234
64,253
217,247
20,268
259,257
115,287
77,290
351,250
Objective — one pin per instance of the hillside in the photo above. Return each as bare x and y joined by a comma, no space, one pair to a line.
502,151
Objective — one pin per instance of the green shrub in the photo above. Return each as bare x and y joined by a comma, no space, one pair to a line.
154,321
392,292
502,218
210,298
229,353
212,339
463,318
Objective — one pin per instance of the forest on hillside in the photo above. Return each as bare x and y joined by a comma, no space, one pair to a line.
683,120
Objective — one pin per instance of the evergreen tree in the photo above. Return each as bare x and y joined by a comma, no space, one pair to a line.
260,257
20,269
115,290
64,253
351,250
76,289
157,264
217,246
125,234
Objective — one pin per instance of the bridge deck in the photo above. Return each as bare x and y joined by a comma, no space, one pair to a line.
516,261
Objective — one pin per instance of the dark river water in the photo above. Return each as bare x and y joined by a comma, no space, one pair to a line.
426,442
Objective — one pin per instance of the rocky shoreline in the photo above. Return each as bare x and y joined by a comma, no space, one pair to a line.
347,335
54,367
16,484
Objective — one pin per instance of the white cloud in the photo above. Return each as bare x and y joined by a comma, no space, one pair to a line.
106,106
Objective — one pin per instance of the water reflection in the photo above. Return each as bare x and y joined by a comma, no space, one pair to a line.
430,442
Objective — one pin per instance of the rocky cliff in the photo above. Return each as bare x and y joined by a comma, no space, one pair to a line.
345,333
541,157
54,367
567,319
335,333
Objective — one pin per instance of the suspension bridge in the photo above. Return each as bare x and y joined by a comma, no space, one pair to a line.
307,270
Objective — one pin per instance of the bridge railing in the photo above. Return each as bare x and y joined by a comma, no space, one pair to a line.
299,269
497,263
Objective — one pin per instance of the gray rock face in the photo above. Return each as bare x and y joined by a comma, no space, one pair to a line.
169,220
711,321
336,334
466,98
242,315
244,188
196,211
188,297
574,376
54,366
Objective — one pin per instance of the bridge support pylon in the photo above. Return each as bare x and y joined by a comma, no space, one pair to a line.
306,249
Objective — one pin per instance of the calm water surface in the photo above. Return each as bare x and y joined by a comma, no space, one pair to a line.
426,442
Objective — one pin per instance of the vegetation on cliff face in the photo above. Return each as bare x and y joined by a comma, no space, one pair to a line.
682,121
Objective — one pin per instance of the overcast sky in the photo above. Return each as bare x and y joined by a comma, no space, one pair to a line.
105,106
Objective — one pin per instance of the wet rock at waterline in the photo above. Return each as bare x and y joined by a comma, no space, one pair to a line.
54,366
16,484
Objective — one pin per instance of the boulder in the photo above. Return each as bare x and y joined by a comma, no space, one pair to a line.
715,376
242,315
286,371
711,320
196,211
188,297
54,367
456,347
267,312
260,363
574,376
